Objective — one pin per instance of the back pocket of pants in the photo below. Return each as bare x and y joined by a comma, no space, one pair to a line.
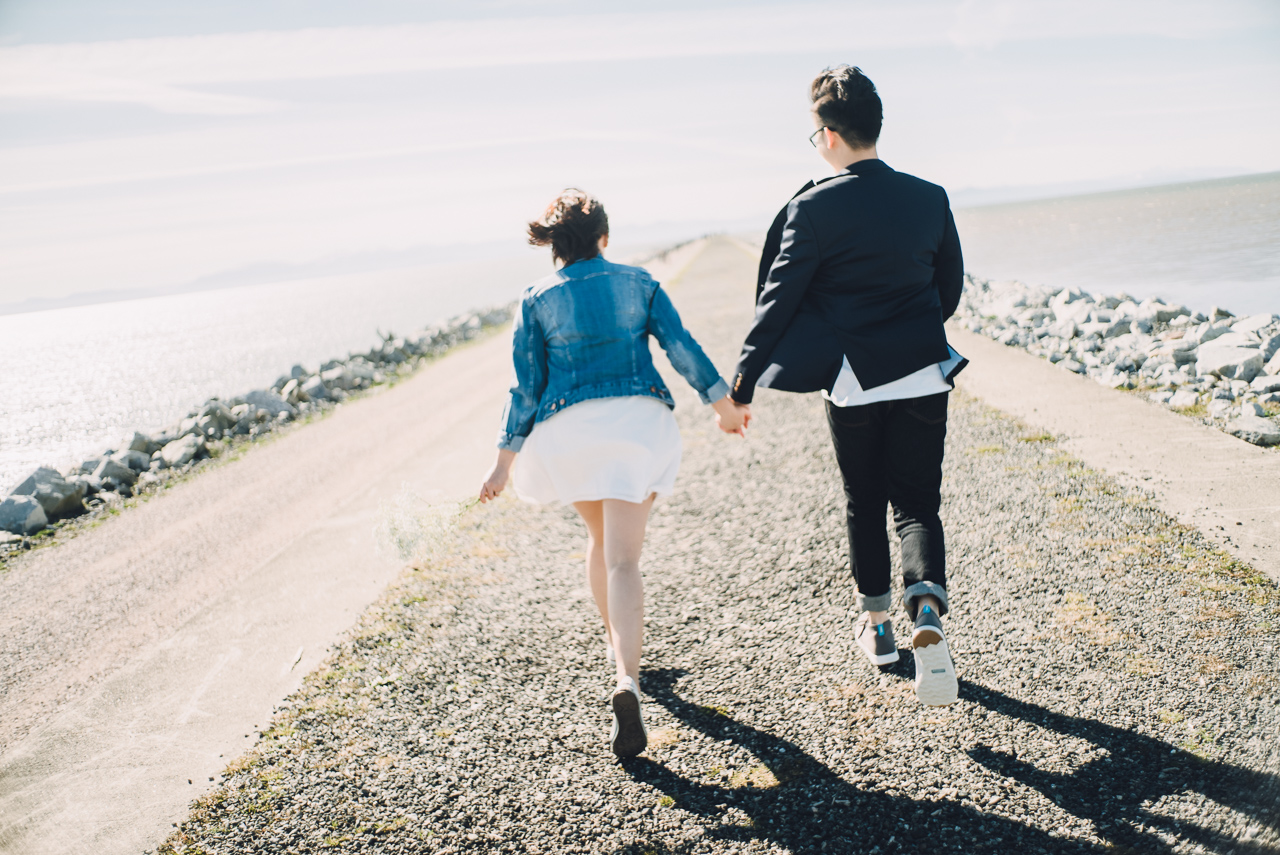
931,409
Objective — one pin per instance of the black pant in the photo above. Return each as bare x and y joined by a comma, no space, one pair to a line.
891,452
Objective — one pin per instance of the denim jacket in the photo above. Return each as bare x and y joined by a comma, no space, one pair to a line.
583,333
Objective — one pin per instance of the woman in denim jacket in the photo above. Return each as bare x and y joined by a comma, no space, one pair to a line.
589,420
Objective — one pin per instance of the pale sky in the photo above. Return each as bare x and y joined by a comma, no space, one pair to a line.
154,144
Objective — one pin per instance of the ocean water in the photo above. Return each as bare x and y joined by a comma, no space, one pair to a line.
1202,244
74,380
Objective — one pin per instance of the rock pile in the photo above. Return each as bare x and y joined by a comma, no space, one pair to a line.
1217,367
141,459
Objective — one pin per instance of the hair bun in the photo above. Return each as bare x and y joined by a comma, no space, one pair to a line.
572,225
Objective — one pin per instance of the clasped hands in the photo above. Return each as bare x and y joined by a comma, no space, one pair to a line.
732,417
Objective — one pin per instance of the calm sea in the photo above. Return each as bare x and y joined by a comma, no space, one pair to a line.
1201,244
74,380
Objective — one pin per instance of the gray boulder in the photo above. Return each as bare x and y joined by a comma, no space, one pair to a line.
1270,346
111,471
1184,398
1233,363
297,372
22,515
138,442
57,496
263,399
182,450
315,389
138,461
1265,383
1255,429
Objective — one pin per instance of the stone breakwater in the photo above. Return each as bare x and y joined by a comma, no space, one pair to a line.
1214,367
142,462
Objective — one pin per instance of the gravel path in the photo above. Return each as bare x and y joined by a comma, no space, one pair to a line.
1118,674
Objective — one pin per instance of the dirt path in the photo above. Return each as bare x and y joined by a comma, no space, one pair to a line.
1118,672
135,659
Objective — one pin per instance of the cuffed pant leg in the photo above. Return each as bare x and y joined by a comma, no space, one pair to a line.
915,438
857,434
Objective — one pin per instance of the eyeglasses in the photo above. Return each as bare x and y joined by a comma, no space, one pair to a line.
813,137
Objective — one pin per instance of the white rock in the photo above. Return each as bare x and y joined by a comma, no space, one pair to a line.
111,469
22,515
1255,429
314,389
264,399
1160,397
1265,383
1253,323
1270,346
1184,398
1249,408
1273,365
56,495
181,450
1236,363
1219,408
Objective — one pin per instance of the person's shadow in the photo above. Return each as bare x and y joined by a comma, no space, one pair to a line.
812,809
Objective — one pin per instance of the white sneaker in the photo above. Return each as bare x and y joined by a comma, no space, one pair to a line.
629,735
936,683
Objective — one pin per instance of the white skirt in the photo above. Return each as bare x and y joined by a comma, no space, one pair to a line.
604,448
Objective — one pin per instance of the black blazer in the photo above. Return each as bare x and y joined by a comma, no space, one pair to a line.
864,265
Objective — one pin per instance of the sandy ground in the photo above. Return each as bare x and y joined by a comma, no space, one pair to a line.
137,657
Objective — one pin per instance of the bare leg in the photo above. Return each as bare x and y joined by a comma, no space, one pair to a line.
624,527
592,514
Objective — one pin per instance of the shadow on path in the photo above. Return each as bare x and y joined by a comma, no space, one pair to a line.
813,809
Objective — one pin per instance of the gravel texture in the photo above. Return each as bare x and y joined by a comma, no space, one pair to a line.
1118,673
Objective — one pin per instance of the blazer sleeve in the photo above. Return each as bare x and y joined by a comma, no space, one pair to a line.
948,266
773,242
780,298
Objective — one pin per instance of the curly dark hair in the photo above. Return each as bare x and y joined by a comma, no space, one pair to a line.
573,225
845,101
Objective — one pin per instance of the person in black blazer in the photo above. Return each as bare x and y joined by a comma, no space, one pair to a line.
857,276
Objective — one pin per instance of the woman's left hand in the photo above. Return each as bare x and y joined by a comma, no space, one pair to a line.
496,481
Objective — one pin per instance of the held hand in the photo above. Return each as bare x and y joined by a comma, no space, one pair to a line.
731,416
496,481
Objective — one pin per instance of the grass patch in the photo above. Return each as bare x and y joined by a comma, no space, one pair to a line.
1083,617
1040,436
666,802
985,449
1170,716
1195,411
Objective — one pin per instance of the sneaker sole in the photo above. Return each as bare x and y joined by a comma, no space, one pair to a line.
936,683
628,737
925,636
883,658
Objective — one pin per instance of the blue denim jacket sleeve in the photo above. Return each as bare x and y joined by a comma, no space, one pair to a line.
529,352
685,353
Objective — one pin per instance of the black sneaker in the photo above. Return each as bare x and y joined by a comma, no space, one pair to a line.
936,683
876,640
629,736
